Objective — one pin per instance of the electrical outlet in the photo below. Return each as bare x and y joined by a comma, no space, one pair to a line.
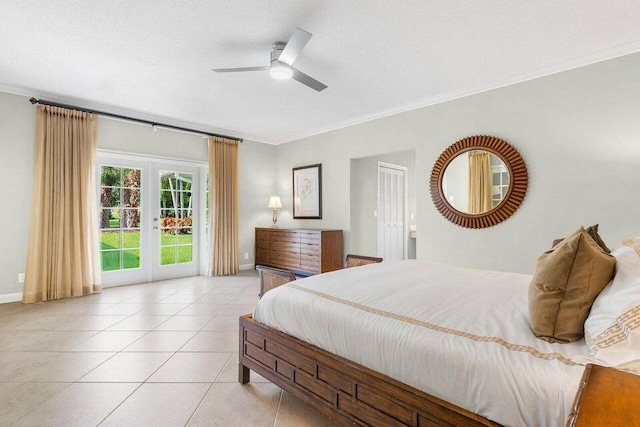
246,255
21,278
375,213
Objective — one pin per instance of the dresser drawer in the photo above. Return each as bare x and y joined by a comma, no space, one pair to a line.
263,256
308,248
286,247
311,268
310,258
279,256
309,237
289,237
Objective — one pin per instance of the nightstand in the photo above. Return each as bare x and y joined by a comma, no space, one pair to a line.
606,397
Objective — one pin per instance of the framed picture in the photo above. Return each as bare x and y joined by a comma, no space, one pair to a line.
307,192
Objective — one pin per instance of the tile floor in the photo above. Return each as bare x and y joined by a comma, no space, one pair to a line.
154,354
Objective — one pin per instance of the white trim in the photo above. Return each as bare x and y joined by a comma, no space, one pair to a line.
405,220
128,155
605,55
204,238
11,297
246,266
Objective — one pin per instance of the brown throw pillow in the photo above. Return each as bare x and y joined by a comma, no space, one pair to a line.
566,281
593,232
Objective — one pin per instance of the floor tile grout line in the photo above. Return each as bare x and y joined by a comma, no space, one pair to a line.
120,404
275,419
43,403
198,405
223,366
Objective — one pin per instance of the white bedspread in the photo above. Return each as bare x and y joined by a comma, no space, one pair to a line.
459,334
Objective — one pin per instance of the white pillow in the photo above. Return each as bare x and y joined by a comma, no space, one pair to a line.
612,330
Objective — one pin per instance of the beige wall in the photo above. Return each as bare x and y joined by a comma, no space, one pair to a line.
578,131
17,131
256,177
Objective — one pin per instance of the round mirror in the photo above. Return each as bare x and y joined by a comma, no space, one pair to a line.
478,182
475,182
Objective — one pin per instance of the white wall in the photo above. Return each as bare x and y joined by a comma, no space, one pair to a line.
364,200
17,125
578,131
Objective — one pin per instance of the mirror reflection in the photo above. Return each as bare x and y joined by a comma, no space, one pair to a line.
475,182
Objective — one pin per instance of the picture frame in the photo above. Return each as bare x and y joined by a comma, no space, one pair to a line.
307,192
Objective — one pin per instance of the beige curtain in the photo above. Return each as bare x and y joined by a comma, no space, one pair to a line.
479,182
223,206
62,260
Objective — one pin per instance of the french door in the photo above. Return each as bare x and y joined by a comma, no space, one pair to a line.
174,234
149,220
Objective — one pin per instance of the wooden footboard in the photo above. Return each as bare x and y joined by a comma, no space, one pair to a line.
347,393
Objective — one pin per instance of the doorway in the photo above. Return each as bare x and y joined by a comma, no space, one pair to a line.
149,218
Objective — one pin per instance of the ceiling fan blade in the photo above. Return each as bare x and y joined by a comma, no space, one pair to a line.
234,70
294,46
307,80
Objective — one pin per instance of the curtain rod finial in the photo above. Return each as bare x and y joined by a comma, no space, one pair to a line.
33,100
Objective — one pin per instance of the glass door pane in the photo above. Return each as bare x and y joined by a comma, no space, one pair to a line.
175,240
120,217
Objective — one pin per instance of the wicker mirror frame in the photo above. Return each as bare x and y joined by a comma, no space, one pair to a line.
518,181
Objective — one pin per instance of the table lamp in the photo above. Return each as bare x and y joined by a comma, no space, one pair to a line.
275,204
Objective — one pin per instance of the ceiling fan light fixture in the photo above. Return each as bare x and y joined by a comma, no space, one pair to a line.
280,71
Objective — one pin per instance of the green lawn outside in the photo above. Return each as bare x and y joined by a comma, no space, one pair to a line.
110,246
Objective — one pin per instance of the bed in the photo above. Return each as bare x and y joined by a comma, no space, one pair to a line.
412,343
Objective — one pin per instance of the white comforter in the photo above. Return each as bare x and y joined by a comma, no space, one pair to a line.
459,334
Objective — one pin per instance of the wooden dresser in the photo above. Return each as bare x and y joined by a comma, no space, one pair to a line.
303,251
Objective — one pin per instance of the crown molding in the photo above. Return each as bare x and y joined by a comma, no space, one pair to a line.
601,56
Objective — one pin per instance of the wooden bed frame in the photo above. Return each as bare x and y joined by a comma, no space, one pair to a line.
347,393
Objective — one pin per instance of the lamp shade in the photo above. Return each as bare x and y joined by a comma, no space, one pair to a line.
274,203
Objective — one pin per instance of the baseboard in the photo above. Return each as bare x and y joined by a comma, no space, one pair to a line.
246,266
11,297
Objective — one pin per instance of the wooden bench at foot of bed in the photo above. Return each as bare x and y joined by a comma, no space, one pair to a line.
347,393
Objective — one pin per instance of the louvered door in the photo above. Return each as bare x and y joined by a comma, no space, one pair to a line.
391,207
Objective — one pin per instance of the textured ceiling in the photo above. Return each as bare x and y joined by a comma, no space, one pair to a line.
152,59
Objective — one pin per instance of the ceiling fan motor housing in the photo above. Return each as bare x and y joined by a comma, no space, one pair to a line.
277,47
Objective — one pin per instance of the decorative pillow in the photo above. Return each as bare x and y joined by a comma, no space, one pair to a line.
612,330
566,281
593,232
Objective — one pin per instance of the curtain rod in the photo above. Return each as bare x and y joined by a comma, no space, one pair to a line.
130,119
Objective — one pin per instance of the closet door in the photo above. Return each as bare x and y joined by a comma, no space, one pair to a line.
391,211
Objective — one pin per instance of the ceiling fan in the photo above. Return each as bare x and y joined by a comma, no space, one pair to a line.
283,56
